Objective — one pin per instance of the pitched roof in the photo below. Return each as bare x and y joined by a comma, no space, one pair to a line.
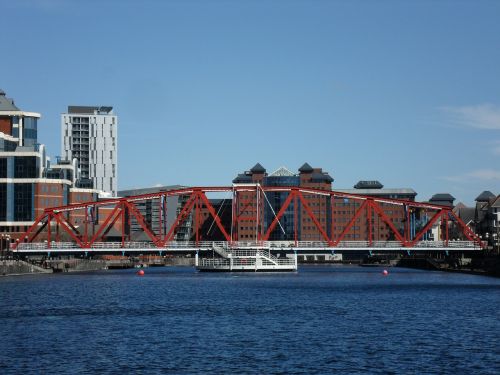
442,197
7,104
322,177
496,202
258,168
380,192
482,206
459,206
282,172
242,178
306,168
368,185
467,214
485,196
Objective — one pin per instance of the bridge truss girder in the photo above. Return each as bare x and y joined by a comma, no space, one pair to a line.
57,220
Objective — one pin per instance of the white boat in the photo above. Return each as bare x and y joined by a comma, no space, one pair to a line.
246,260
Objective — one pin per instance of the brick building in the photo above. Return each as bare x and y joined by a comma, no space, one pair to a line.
265,206
332,216
29,183
345,208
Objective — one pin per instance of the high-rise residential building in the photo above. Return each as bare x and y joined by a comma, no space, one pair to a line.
29,183
90,135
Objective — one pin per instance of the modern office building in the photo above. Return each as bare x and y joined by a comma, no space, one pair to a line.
28,181
90,135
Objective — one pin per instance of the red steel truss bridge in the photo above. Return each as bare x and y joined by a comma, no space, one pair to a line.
284,218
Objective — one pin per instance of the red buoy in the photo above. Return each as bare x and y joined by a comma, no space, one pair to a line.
140,273
385,272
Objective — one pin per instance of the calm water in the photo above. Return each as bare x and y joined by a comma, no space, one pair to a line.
320,320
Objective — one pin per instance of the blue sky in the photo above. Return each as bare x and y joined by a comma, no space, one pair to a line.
404,92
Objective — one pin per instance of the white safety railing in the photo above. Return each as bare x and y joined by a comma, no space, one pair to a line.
239,249
244,261
214,262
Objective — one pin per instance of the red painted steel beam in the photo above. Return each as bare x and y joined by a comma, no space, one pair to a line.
42,227
102,226
32,228
106,231
216,217
388,221
447,235
141,221
278,216
245,209
235,189
313,217
73,228
197,220
369,220
60,221
49,239
180,218
427,226
234,219
351,223
295,220
467,231
188,190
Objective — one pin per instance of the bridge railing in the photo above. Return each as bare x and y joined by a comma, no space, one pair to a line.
244,248
441,244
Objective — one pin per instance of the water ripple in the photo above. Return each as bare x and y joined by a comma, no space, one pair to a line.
321,320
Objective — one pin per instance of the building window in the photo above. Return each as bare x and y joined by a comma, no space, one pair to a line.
25,167
23,202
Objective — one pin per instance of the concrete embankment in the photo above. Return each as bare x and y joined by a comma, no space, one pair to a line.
488,265
75,265
20,267
178,261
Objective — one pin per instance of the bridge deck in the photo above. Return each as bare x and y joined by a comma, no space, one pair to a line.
282,246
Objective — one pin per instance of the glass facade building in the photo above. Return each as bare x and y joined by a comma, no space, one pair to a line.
30,131
28,182
284,231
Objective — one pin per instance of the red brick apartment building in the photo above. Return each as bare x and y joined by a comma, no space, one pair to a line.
332,216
